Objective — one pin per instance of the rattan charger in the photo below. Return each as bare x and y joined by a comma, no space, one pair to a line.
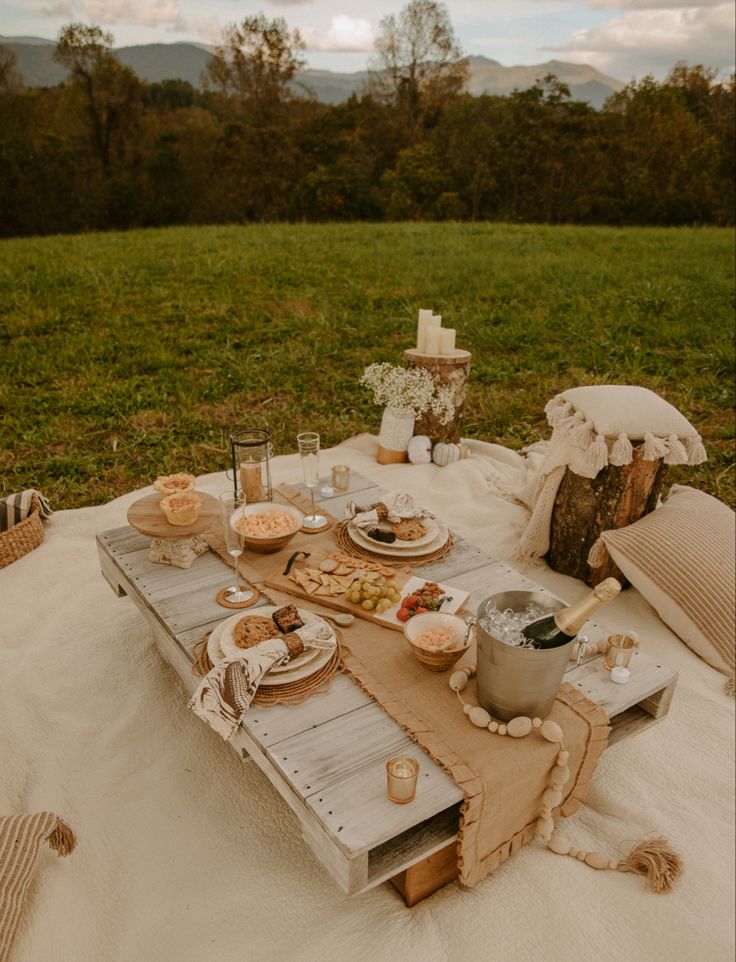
22,537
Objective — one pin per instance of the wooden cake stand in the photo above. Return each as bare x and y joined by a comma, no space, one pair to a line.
173,544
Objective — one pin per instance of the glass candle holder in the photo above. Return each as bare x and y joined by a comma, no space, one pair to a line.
250,453
341,477
402,772
620,649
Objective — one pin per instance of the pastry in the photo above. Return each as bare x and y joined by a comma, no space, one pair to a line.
181,509
380,534
173,483
287,619
253,629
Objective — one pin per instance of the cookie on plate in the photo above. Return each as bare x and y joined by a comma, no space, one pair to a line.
253,629
409,529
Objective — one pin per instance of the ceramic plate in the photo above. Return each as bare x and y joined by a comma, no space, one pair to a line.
432,530
458,597
390,551
221,645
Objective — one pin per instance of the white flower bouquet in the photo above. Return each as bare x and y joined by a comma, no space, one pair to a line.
410,389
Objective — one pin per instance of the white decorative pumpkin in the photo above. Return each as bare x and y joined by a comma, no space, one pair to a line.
444,452
420,449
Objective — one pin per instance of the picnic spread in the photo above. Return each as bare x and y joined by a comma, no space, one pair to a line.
337,636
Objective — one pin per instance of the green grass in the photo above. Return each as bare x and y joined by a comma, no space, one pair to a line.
130,355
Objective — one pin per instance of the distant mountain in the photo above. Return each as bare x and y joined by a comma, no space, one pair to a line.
186,61
585,82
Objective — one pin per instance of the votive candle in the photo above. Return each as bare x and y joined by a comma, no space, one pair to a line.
401,773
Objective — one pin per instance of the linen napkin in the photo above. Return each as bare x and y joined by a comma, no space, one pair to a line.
225,693
16,507
395,507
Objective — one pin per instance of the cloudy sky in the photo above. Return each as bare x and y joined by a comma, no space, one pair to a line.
623,38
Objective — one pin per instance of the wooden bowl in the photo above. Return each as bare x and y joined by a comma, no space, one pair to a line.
436,660
267,545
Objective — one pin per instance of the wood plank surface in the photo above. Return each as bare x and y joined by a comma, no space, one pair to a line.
147,516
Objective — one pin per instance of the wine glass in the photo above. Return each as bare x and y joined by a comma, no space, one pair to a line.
229,504
308,442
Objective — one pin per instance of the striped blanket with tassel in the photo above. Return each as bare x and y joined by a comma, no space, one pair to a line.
20,844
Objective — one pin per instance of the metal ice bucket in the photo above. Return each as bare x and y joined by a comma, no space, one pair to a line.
518,681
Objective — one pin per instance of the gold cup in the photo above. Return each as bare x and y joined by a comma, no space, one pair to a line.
341,477
620,649
402,772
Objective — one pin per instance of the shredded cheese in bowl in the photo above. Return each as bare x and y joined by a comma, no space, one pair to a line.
270,524
434,638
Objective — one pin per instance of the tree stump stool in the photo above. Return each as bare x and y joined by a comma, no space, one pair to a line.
584,507
604,468
450,371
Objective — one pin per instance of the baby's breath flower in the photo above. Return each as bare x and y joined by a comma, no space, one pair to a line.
412,388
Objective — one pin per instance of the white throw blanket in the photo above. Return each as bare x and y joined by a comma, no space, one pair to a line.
187,855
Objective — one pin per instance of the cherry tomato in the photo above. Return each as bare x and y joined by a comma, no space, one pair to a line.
420,610
403,614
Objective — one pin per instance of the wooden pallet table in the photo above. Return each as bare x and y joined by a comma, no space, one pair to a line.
327,758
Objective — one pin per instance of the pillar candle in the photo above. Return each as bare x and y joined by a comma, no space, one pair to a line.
425,318
432,340
251,484
447,340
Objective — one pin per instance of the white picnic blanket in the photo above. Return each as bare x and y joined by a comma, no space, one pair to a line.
186,855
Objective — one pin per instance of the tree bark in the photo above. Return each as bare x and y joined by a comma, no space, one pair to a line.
585,507
450,370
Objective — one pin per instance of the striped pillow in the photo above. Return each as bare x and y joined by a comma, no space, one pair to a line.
20,842
681,559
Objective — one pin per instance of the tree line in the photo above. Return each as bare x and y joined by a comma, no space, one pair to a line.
106,150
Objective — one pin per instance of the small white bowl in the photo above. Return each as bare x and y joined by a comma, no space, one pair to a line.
268,545
429,657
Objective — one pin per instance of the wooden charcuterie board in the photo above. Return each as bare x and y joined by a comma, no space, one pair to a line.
276,579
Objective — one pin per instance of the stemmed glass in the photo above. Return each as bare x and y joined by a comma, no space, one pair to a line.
308,442
234,544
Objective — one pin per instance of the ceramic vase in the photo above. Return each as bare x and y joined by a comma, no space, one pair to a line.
397,430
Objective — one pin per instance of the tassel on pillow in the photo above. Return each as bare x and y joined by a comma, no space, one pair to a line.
622,452
582,435
695,450
559,414
676,453
550,408
653,448
598,554
596,457
566,424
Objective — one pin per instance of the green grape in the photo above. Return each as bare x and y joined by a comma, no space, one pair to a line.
369,604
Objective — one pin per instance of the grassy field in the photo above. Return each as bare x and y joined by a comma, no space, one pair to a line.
129,355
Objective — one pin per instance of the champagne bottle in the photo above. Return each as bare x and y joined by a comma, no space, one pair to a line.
559,628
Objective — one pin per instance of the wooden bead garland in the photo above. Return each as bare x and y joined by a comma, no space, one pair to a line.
653,859
520,727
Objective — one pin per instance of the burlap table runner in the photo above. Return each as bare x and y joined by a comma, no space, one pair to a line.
502,778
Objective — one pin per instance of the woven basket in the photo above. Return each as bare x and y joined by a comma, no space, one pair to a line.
22,537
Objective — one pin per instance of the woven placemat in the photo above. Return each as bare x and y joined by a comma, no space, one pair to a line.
346,544
221,599
290,693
